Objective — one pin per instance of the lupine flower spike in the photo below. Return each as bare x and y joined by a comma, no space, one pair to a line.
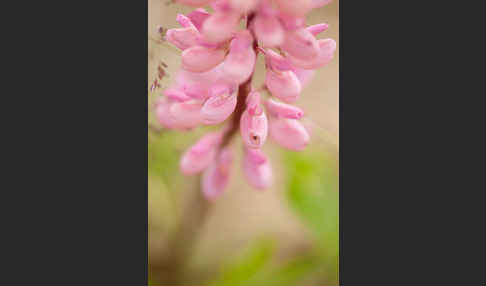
213,85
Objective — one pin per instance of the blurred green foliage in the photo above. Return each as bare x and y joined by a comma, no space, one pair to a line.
311,191
313,194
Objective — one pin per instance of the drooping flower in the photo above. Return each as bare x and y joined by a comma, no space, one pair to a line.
214,83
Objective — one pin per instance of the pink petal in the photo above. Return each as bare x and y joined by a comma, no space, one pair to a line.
276,61
185,21
201,59
183,38
257,169
240,62
253,129
284,85
216,177
200,155
198,17
289,133
304,76
218,108
220,26
268,31
326,54
283,110
243,6
185,115
318,28
301,44
174,94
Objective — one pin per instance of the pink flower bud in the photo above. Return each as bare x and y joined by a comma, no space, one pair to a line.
276,61
283,84
243,6
174,94
319,3
182,38
294,7
326,54
318,28
301,44
254,124
240,62
201,59
292,23
178,115
280,109
268,31
257,169
198,17
219,107
194,3
220,26
185,21
185,115
304,76
289,133
200,155
216,177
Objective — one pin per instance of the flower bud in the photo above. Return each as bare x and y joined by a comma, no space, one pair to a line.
276,61
200,155
243,6
289,133
183,38
304,76
268,31
201,59
198,17
283,84
326,54
219,107
216,177
240,62
301,44
177,95
257,169
317,29
280,109
254,124
220,26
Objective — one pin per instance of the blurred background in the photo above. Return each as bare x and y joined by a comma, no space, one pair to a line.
286,235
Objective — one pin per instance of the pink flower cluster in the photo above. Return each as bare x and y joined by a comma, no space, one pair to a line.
214,82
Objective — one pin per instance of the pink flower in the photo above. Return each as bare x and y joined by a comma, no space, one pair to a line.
257,169
200,155
214,83
219,107
280,109
289,133
220,26
216,177
240,62
268,30
283,84
201,59
253,123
